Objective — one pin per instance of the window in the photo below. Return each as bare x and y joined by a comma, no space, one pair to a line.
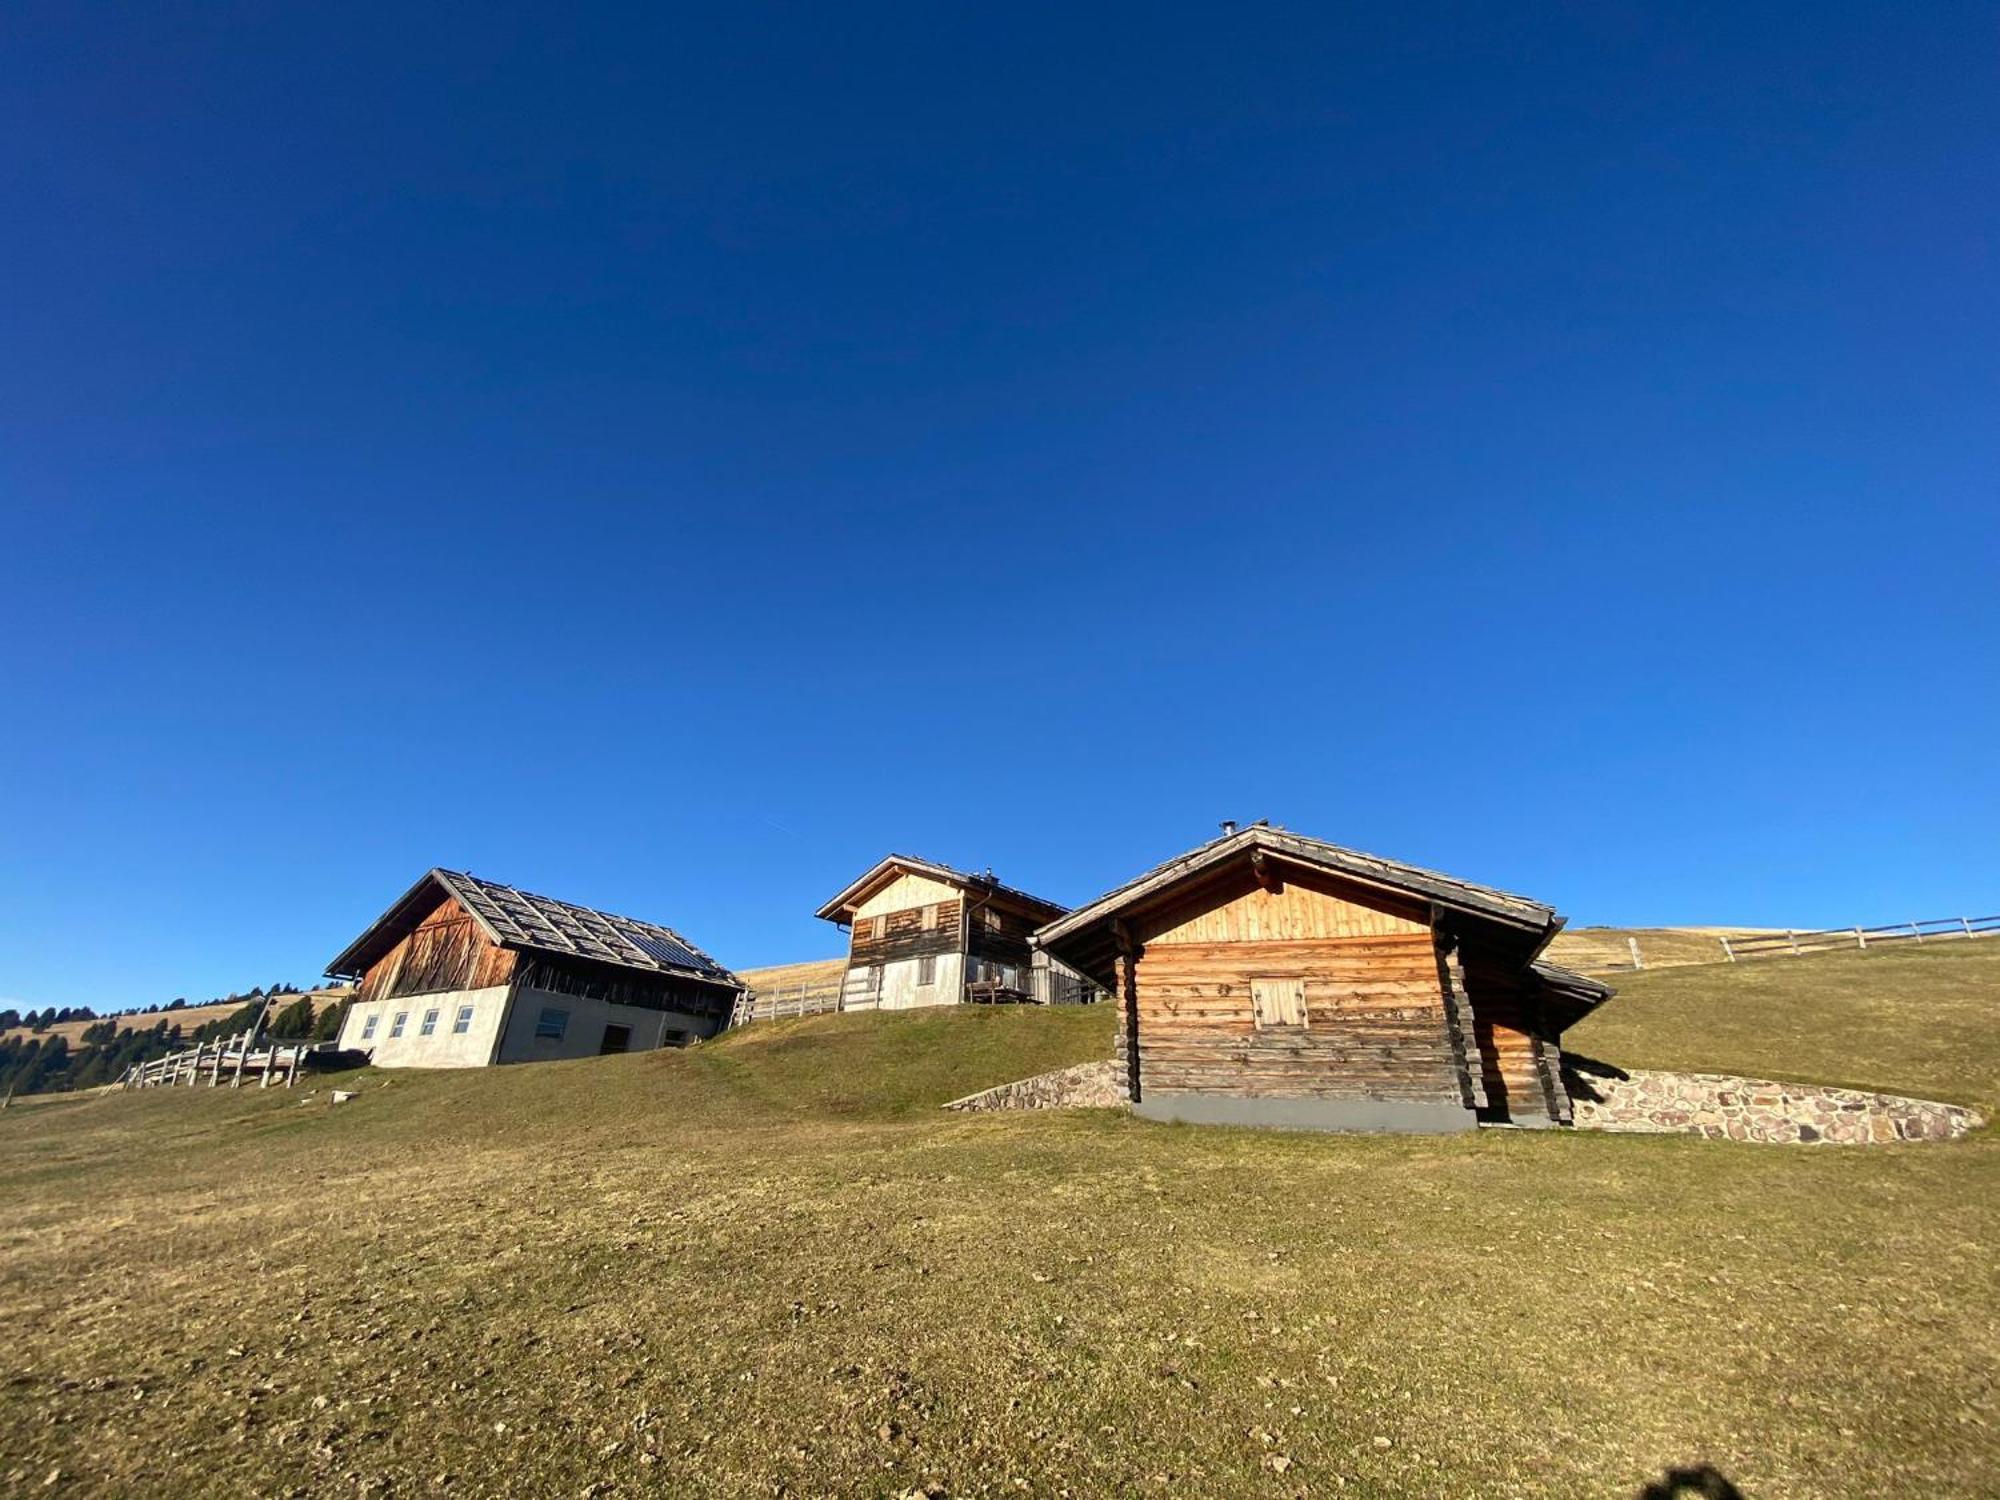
552,1023
616,1039
878,926
927,969
430,1023
368,1028
396,1026
1278,1002
931,917
991,918
463,1022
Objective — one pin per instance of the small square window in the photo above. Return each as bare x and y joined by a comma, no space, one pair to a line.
396,1026
927,969
991,918
616,1039
931,917
368,1028
1278,1002
552,1023
430,1023
463,1023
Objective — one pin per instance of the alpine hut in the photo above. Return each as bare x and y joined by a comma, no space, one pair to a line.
1269,978
462,972
922,933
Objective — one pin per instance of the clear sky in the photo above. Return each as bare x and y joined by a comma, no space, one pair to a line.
668,457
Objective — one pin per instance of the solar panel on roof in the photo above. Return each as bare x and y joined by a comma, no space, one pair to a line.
665,950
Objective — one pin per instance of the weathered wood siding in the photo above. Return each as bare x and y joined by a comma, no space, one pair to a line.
905,892
446,951
902,934
1516,1067
1293,912
1375,1006
1375,1024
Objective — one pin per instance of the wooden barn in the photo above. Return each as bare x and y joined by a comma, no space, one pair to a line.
462,972
926,934
1271,979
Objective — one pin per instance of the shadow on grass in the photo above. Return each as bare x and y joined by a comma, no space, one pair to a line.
1703,1482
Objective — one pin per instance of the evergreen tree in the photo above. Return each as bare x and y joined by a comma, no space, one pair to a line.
295,1021
327,1027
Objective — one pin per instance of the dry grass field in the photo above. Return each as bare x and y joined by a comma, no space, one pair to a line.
188,1017
768,1266
790,976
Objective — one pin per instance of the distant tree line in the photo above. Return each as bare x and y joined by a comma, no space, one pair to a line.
39,1064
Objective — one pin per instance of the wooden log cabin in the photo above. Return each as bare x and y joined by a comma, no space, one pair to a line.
922,933
462,972
1267,978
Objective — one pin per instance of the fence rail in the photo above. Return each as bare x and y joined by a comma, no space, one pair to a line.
795,1000
1820,939
232,1057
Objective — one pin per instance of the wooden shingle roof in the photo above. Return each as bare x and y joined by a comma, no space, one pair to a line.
529,923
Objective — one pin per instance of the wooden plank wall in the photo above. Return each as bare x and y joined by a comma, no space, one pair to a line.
1374,1002
448,950
904,935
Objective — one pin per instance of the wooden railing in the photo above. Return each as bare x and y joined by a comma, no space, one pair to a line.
1819,940
795,1000
230,1058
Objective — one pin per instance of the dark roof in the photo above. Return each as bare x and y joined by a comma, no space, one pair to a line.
535,924
1445,890
859,890
1567,996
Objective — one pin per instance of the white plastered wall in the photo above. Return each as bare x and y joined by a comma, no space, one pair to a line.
445,1047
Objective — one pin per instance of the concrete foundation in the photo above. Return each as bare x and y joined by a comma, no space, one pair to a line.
1400,1116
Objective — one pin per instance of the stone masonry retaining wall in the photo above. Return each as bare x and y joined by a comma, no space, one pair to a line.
1723,1107
1091,1085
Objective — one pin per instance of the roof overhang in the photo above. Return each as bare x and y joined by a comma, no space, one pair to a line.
1567,996
390,928
1086,935
892,868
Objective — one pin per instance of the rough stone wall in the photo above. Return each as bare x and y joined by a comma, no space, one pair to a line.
1091,1085
1723,1107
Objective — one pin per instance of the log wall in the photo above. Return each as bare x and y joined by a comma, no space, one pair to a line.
1375,1024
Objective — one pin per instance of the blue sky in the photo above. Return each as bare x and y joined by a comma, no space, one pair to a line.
668,457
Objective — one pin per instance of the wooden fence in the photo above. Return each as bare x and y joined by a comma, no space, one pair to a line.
810,999
231,1058
1819,940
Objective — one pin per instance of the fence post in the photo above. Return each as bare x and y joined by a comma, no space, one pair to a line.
1860,939
1916,932
1966,923
1727,951
1637,961
1793,937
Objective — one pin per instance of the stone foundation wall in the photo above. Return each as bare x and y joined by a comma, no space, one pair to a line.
1723,1107
1091,1085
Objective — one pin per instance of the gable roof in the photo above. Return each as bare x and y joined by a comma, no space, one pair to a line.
534,924
894,865
1485,901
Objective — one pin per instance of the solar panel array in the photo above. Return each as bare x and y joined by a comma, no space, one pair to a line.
550,926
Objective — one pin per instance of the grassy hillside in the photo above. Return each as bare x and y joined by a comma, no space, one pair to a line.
789,976
188,1017
1915,1020
766,1265
1599,948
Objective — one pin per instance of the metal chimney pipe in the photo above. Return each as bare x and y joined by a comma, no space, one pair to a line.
1228,827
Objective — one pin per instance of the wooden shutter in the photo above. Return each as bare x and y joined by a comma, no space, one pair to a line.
1278,1002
